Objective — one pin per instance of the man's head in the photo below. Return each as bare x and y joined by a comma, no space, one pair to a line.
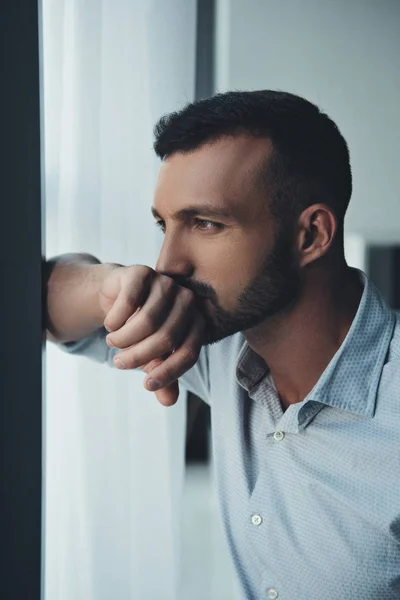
252,193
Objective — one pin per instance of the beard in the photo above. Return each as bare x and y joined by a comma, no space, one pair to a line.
274,290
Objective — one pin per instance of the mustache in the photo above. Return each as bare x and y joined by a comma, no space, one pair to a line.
199,288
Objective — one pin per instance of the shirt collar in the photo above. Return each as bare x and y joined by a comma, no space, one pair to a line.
351,379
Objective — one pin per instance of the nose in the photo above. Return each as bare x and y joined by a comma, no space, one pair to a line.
174,258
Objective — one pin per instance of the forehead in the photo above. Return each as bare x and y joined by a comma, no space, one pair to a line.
226,171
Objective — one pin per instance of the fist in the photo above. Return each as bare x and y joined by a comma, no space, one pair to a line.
155,323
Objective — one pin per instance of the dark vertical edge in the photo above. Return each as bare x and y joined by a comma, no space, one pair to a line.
21,303
205,49
43,298
198,413
396,278
380,270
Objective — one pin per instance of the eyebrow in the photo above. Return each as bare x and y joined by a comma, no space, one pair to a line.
205,210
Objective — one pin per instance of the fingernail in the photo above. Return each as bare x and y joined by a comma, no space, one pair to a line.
109,343
153,384
107,328
119,364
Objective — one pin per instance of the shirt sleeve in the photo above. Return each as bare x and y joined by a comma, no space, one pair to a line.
196,380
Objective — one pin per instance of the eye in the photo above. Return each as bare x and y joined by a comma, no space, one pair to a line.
161,225
205,225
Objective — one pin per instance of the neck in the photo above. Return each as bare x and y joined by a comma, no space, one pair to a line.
298,346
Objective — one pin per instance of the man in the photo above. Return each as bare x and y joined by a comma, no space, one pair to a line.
303,382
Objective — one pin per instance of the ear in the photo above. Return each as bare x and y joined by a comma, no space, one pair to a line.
317,230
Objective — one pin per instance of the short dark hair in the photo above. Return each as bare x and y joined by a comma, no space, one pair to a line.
310,160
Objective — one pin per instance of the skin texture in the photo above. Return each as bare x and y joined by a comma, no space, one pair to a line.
288,289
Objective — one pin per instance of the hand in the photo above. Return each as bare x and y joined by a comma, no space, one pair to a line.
156,324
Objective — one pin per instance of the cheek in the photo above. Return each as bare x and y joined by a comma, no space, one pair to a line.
229,266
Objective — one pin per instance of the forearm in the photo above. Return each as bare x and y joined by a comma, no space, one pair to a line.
72,294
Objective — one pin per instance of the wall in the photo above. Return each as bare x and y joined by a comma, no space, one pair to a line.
343,55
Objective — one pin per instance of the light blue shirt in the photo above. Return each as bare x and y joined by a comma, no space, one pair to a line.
310,497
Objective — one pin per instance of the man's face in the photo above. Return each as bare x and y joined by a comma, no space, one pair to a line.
220,238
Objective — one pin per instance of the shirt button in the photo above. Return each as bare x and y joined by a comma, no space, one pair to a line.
278,436
256,519
272,594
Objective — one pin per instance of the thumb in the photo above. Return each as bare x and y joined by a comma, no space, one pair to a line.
122,309
118,300
124,291
108,294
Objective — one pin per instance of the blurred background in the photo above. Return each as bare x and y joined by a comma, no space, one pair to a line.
128,505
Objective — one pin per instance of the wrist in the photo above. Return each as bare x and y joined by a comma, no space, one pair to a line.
103,277
71,295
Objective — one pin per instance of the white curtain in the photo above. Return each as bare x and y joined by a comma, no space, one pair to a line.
113,457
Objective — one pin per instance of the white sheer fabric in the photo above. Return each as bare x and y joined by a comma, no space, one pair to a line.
114,457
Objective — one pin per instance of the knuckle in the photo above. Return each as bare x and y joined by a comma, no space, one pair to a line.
167,341
136,277
148,321
141,270
167,283
165,375
132,362
189,355
186,295
129,300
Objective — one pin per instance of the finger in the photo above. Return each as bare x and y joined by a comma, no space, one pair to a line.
178,363
135,285
150,317
162,343
151,365
168,395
